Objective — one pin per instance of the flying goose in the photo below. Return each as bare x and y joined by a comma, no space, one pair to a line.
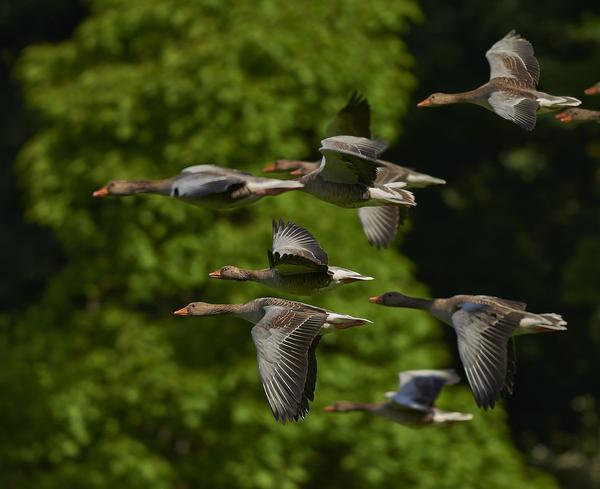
484,326
286,335
511,92
347,178
298,265
413,403
379,223
578,115
206,186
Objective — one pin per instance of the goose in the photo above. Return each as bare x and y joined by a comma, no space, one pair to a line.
593,90
511,92
379,223
578,115
347,177
484,327
298,265
205,185
285,334
413,404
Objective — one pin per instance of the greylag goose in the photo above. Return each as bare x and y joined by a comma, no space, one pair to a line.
483,325
347,178
578,115
413,403
286,335
204,185
298,265
511,92
379,223
593,90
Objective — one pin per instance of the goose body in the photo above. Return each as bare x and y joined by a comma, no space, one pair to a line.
204,185
511,91
578,115
298,265
286,335
413,404
484,326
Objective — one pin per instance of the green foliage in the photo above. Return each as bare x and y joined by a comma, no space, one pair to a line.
102,387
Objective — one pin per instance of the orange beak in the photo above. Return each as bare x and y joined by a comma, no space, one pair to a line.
215,274
564,118
377,299
270,168
103,192
329,409
592,91
182,312
424,103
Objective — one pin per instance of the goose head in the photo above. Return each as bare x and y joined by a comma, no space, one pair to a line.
118,187
437,99
198,309
230,272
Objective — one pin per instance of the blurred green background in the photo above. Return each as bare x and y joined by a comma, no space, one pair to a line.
102,387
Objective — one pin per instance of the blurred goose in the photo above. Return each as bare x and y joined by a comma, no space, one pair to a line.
413,403
204,185
511,92
593,90
286,335
379,223
578,115
483,325
298,265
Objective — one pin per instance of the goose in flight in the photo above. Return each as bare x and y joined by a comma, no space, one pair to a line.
298,265
484,328
414,403
286,335
511,92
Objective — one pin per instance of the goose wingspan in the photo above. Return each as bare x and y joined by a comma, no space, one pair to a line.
483,334
354,119
283,339
295,247
200,184
420,388
513,57
350,159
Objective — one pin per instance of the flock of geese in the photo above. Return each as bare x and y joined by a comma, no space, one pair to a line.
351,174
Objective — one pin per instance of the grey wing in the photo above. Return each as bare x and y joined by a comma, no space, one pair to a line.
420,388
283,338
311,376
201,184
380,224
482,335
354,119
511,368
296,247
513,57
350,159
518,109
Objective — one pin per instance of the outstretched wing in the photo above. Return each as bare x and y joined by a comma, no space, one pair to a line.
380,224
203,183
350,159
352,120
483,334
295,249
515,108
283,339
420,388
512,57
